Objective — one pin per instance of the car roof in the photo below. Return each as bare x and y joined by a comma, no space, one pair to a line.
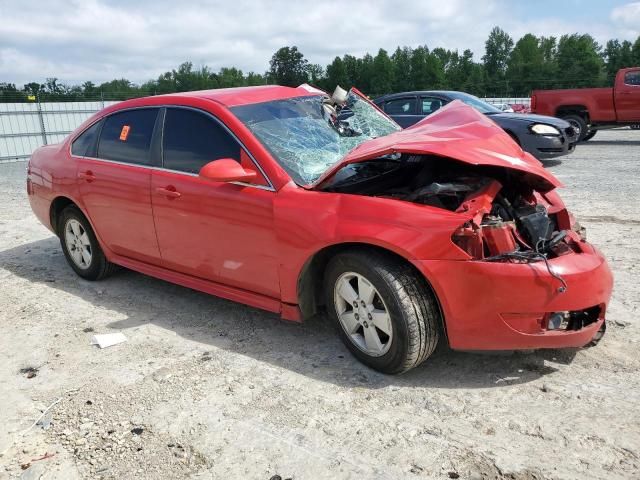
391,96
229,97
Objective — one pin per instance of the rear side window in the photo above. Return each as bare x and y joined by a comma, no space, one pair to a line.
192,139
85,144
430,105
632,78
401,106
126,136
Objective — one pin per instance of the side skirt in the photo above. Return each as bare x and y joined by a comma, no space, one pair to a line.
287,311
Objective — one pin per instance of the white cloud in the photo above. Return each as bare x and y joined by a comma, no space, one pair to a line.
627,18
100,40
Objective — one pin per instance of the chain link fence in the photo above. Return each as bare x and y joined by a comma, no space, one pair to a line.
25,126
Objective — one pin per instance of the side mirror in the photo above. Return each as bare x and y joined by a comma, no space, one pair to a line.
226,170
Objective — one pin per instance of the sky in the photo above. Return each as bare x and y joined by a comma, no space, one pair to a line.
99,40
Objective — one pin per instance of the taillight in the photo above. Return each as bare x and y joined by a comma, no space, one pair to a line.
533,102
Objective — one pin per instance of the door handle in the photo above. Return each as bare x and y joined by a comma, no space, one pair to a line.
88,176
168,192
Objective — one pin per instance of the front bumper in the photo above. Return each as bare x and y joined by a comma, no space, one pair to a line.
543,147
502,306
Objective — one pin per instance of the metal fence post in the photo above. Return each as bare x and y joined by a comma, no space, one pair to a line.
41,117
102,98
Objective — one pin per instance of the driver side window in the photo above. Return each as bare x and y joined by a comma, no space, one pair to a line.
192,139
632,78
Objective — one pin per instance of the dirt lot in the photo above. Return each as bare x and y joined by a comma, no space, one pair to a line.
205,388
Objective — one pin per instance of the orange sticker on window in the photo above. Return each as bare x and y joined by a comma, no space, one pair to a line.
124,133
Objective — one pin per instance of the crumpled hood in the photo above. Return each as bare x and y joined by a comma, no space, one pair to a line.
455,131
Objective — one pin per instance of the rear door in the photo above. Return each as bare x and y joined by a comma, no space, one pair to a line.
114,180
218,231
627,96
403,110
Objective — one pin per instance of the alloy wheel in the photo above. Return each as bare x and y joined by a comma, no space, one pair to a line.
363,314
78,243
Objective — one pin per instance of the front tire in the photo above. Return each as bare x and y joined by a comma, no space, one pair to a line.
589,135
81,247
385,311
579,124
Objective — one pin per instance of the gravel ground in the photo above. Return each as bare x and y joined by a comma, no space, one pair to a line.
205,388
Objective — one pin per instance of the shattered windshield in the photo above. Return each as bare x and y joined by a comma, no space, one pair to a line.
307,135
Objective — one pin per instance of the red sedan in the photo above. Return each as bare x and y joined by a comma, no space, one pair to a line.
294,201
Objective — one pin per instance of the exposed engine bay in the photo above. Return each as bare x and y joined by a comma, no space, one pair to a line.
510,220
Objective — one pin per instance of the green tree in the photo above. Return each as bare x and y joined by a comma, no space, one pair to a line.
461,72
382,76
616,56
255,79
401,60
579,61
230,77
33,88
337,75
89,89
427,70
635,53
316,73
288,67
526,65
497,52
118,89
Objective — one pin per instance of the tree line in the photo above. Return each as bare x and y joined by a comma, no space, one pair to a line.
507,68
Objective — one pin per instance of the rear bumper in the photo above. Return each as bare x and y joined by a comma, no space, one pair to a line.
504,306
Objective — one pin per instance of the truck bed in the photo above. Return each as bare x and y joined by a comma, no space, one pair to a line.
598,101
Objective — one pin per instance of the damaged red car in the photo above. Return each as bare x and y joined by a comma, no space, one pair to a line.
296,202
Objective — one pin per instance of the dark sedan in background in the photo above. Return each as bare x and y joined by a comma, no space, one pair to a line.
542,136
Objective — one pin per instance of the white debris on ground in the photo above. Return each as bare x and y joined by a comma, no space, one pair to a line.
206,388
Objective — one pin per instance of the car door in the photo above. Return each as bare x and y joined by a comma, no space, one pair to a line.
403,110
628,97
114,182
218,231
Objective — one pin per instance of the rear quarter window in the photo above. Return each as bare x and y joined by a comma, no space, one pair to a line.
126,136
85,144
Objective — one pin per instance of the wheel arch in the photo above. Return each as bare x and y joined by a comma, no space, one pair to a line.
57,206
514,136
311,277
581,110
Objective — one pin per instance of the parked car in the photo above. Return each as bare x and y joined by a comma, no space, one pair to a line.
292,201
541,136
520,108
592,109
504,107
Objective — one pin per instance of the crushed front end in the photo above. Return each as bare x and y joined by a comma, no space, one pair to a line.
517,272
532,280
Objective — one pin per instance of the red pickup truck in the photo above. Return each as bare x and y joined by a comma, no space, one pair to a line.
591,109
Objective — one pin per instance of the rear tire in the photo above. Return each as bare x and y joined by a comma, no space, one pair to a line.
578,123
81,247
379,284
